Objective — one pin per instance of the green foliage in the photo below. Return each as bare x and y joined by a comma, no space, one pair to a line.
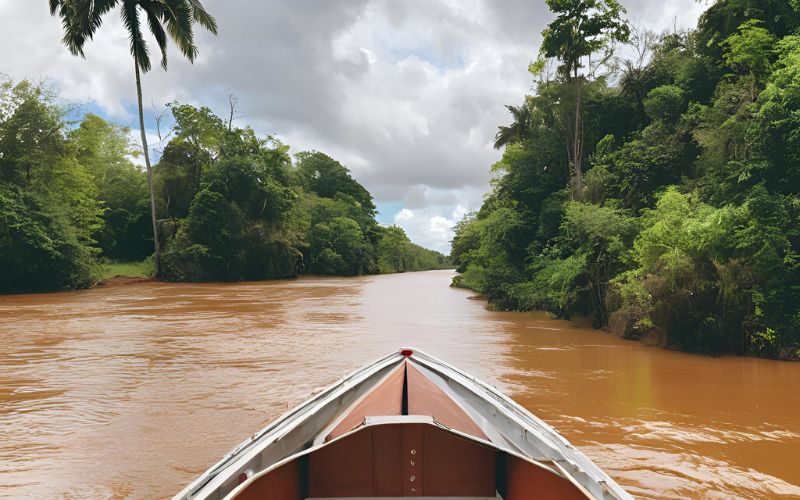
489,266
248,183
49,212
199,139
690,220
723,19
581,28
665,103
695,279
207,245
104,150
324,176
228,195
592,247
778,121
241,210
397,254
337,247
750,49
39,248
557,285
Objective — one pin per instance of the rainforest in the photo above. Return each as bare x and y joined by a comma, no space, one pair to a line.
230,205
651,182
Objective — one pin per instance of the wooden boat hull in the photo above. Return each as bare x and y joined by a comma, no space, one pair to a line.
407,425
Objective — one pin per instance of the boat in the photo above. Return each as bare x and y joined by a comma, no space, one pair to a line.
407,425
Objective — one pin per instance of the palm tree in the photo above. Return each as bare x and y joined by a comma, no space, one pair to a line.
165,19
517,131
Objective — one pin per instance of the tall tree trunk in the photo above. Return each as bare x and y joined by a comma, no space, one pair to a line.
577,153
149,169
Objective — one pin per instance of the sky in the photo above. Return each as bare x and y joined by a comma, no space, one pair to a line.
408,94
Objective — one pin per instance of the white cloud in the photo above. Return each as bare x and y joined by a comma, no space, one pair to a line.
666,15
427,227
404,216
431,227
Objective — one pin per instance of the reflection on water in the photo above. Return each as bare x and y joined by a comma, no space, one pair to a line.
132,391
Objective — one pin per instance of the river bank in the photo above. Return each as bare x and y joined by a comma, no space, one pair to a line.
115,273
122,280
650,335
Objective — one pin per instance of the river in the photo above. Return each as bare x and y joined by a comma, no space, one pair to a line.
132,391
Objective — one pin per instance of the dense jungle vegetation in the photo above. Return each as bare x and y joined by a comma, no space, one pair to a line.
651,181
230,205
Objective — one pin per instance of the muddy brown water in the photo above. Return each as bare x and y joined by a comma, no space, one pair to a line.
132,391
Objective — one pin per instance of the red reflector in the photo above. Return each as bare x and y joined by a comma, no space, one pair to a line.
242,477
406,352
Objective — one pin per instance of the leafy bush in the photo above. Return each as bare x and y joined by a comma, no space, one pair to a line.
39,249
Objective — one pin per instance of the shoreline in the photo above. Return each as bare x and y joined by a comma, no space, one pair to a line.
655,338
121,280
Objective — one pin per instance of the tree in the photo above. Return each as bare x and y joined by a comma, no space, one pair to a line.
581,28
779,119
103,148
49,211
207,245
750,49
337,247
165,18
397,254
39,248
635,70
326,177
200,134
665,103
517,131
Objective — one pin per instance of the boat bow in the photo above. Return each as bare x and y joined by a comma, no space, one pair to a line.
412,389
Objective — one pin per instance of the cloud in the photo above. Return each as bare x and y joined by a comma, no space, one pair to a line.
666,15
430,224
407,94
